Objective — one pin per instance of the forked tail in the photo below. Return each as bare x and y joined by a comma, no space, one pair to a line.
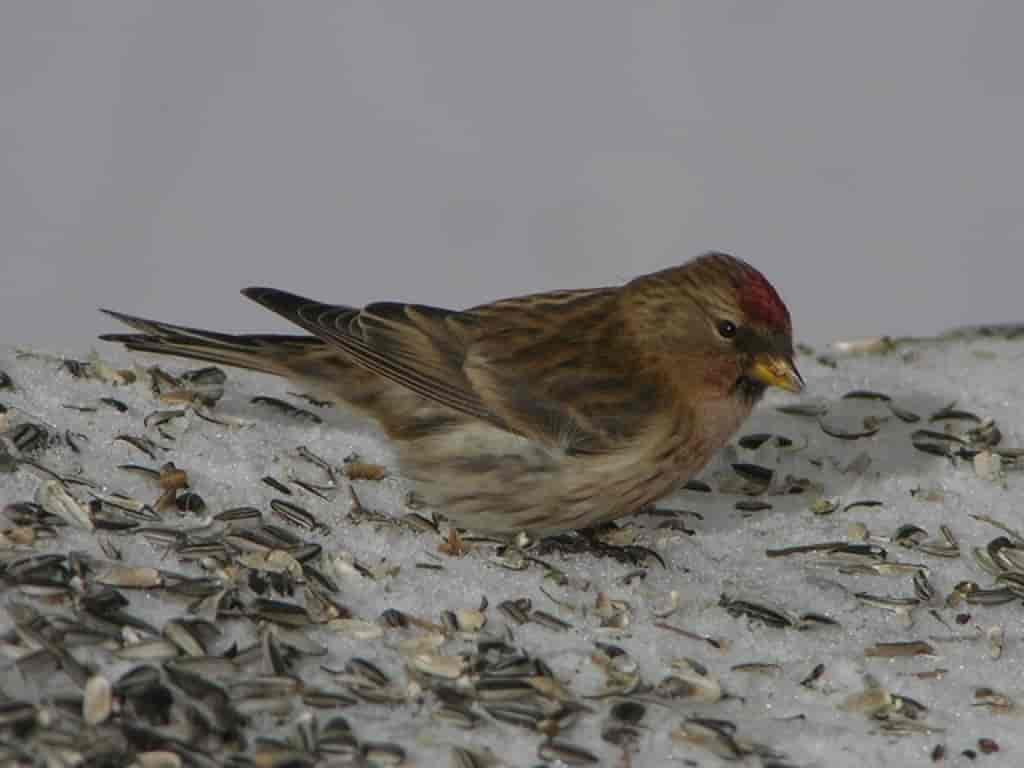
266,353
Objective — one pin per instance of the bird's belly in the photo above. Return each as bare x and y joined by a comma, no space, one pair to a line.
487,479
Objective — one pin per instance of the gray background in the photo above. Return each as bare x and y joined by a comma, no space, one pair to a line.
155,157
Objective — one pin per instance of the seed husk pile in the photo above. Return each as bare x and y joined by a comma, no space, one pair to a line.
159,610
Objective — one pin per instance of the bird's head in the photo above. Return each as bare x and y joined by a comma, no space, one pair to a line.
717,324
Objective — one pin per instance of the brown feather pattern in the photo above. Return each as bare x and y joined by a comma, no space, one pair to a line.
544,412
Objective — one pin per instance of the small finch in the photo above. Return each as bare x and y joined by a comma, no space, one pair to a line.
540,413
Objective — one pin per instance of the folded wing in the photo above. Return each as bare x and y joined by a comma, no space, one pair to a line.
546,367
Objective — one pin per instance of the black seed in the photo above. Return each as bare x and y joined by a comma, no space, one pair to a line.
755,441
287,408
29,438
866,394
629,711
754,472
863,503
189,501
987,746
752,505
114,403
394,618
277,485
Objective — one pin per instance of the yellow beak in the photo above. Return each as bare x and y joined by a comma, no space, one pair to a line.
777,372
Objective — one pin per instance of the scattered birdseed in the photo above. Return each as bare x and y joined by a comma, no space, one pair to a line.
146,624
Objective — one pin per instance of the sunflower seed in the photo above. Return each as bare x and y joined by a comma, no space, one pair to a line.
862,503
456,716
950,413
824,506
1006,554
866,394
277,485
97,701
897,604
751,505
987,746
468,758
382,754
503,689
972,594
157,419
811,410
690,679
128,577
996,641
566,753
754,441
148,650
716,736
754,473
298,516
877,345
517,611
190,501
114,403
923,589
870,427
545,619
698,486
525,715
143,444
199,386
908,417
238,515
1013,581
899,649
55,499
937,443
287,614
631,712
773,617
29,438
191,635
994,700
287,408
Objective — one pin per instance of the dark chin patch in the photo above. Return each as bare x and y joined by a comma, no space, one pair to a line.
749,389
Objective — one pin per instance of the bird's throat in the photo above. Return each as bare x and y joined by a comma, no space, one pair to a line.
749,390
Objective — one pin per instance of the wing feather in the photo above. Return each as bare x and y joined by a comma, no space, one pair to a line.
411,345
549,367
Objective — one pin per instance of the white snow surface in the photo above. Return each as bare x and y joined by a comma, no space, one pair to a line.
818,723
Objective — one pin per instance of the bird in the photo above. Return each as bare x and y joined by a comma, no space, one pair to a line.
537,414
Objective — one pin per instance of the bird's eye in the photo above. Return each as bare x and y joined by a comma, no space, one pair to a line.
726,329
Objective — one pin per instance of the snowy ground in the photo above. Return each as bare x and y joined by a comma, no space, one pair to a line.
810,694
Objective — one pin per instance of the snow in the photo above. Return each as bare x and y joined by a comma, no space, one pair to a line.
821,722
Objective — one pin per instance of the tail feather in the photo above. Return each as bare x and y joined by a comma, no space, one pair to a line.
266,353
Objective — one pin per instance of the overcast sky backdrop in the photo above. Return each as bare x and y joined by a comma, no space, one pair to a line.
155,157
